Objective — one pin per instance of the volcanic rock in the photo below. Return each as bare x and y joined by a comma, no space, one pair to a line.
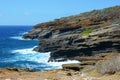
86,34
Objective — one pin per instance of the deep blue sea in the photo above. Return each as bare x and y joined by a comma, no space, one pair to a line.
18,52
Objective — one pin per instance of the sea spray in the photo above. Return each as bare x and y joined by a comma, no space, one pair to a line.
40,58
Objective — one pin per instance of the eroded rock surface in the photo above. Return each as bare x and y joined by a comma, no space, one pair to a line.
65,37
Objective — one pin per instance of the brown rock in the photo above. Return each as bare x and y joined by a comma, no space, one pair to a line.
109,65
78,66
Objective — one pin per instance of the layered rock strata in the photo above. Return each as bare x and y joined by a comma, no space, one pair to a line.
86,34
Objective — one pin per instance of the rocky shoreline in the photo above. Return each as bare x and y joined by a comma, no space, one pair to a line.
86,70
93,38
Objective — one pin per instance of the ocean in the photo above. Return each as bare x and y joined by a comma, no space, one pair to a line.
16,52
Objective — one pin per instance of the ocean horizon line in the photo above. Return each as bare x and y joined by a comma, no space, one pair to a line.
15,25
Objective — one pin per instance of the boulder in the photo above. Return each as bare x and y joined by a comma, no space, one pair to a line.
109,65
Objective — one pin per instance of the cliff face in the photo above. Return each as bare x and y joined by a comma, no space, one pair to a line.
85,34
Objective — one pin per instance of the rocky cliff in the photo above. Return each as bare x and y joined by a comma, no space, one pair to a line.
85,34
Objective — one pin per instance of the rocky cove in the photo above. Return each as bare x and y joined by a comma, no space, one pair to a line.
93,38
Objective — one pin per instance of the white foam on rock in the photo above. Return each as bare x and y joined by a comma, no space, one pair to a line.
59,64
24,51
18,38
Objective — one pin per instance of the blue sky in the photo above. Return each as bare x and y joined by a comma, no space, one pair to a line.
31,12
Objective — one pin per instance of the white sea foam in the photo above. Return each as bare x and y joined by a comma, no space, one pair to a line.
36,57
23,33
24,51
30,55
59,64
17,37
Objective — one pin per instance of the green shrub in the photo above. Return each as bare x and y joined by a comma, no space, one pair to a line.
86,32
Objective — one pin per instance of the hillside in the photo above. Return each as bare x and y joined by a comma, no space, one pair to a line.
85,34
93,19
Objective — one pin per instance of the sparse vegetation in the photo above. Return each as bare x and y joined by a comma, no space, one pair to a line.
86,32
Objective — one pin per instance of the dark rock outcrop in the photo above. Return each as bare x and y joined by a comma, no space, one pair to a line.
78,66
65,39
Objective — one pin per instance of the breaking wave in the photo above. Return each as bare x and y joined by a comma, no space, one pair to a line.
28,55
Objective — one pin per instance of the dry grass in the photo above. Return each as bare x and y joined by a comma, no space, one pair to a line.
90,19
